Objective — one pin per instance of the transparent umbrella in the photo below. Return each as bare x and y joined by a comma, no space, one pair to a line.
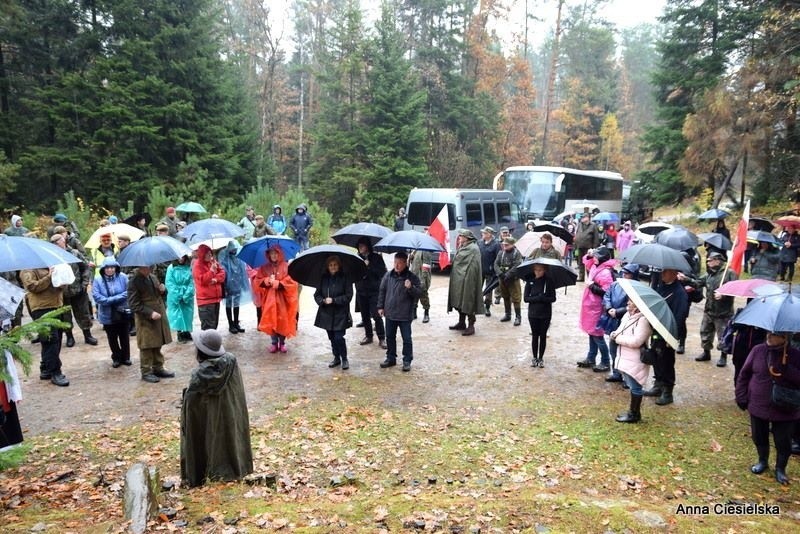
18,253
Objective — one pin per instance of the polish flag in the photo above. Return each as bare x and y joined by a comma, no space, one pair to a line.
439,230
740,242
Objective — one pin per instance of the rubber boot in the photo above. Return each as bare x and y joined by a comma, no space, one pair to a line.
634,414
470,330
666,396
655,391
88,337
336,362
763,459
780,469
706,356
70,338
414,315
487,309
681,346
236,319
723,360
460,325
517,316
231,325
345,363
507,316
426,318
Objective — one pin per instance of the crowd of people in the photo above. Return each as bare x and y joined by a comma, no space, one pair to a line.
152,301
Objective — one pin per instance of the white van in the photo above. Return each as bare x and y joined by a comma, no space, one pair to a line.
466,208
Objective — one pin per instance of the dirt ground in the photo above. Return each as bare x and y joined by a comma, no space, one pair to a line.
484,370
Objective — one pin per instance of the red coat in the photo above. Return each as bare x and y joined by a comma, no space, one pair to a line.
209,278
279,301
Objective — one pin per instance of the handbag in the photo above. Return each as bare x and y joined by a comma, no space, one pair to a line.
785,398
647,355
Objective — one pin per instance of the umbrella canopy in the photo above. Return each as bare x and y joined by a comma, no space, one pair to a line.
210,229
560,216
580,207
656,255
776,313
713,213
606,217
254,252
190,207
17,253
559,274
760,223
153,250
647,232
788,221
352,233
654,308
555,229
308,267
213,244
533,240
744,288
757,236
716,240
114,230
408,240
133,220
677,238
10,298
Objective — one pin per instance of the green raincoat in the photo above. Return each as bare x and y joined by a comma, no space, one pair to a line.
466,281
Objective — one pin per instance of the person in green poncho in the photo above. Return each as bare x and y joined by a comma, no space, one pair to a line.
466,279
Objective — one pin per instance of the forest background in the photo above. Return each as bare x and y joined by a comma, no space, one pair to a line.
120,106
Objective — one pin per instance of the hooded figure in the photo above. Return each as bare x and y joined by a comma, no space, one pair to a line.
209,283
110,292
180,298
277,221
215,428
301,223
278,293
16,228
236,284
600,266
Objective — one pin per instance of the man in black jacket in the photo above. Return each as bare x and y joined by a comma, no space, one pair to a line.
399,291
367,293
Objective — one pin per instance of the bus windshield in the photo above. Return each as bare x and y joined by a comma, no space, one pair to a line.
534,191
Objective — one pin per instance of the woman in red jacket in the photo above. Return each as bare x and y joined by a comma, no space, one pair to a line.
278,292
209,280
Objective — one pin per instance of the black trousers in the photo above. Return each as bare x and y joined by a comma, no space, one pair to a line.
51,346
209,316
119,341
664,368
368,304
539,328
781,434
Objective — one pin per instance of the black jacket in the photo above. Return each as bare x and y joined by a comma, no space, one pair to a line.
540,294
397,301
370,284
488,254
335,316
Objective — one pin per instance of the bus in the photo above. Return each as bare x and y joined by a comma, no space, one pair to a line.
546,192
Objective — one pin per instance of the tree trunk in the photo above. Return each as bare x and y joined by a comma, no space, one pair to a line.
551,83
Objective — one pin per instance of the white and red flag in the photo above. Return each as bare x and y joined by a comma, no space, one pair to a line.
439,230
740,242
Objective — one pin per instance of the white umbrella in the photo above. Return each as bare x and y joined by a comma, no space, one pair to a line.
10,299
114,229
533,240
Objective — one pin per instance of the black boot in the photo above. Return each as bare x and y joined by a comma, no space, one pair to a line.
723,360
655,391
470,330
763,459
507,316
88,337
634,414
345,363
666,396
487,309
780,469
706,356
426,318
70,338
231,325
336,362
681,346
517,316
236,320
460,325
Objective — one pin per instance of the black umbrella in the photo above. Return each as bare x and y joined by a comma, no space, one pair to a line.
491,285
307,268
718,241
352,233
408,240
757,236
677,238
656,255
133,220
559,274
760,223
555,229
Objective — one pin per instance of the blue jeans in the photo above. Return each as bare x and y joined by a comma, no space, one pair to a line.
636,387
302,240
598,343
391,340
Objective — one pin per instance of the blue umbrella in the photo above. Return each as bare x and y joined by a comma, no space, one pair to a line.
153,250
18,253
606,217
775,313
253,253
713,213
408,240
759,236
190,207
352,233
210,229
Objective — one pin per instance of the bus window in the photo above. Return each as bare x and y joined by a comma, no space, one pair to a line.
474,215
489,215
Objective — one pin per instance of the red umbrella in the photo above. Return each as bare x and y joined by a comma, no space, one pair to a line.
743,288
788,221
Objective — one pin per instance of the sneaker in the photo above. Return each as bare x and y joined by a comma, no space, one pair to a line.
45,375
406,367
365,341
150,377
614,377
127,363
115,364
541,363
59,380
388,363
600,368
585,364
163,373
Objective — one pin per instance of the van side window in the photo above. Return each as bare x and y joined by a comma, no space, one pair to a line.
489,215
504,213
474,215
423,213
